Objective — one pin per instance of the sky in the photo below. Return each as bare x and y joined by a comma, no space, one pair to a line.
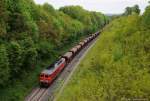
104,6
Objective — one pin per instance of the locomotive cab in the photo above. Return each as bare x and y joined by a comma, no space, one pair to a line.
48,75
45,78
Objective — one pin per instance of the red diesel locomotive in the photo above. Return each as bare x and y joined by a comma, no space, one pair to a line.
48,75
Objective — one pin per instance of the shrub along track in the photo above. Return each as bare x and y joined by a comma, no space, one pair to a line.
49,94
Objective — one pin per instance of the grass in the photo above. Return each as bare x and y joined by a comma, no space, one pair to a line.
116,68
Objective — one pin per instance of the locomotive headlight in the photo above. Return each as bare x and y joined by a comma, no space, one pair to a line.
41,80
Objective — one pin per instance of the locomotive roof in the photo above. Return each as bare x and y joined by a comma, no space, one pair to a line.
53,68
47,71
59,62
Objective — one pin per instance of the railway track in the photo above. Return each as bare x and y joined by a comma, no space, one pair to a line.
37,94
48,94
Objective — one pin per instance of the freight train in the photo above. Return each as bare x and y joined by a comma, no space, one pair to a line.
48,75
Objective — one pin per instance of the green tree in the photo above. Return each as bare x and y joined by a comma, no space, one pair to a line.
136,9
128,11
4,66
91,20
29,55
3,18
146,17
15,58
132,10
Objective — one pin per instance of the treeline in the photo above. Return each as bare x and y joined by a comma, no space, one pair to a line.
132,10
117,68
30,33
128,11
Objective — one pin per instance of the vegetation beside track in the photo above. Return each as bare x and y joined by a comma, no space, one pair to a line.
117,67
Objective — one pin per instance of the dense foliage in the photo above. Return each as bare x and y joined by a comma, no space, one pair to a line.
31,34
117,67
95,19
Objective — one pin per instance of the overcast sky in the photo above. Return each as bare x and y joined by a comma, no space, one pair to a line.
104,6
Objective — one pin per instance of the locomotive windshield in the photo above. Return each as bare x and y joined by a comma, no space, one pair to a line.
46,76
58,62
42,75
